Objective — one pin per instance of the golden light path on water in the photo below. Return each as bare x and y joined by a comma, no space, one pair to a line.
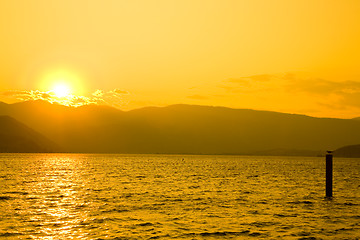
81,196
58,184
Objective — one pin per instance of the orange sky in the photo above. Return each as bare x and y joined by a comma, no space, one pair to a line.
299,56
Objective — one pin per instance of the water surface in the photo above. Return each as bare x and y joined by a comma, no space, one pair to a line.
80,196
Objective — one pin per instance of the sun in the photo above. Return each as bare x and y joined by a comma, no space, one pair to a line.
61,90
61,83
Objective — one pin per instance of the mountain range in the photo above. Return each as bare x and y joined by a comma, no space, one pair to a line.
351,151
16,137
189,129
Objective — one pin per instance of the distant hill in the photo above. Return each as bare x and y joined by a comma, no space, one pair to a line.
184,129
16,137
352,151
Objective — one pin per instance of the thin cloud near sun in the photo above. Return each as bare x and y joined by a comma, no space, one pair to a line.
113,97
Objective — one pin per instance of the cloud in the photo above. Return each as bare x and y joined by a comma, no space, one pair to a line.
28,95
346,93
118,91
324,87
98,93
251,84
290,82
294,91
13,93
114,97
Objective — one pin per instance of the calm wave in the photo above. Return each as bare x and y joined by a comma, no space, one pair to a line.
64,196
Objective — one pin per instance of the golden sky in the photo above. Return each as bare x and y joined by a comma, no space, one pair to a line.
298,56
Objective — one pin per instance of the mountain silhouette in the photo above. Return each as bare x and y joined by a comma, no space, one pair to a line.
16,137
183,129
352,151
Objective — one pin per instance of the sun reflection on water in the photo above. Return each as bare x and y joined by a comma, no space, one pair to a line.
59,200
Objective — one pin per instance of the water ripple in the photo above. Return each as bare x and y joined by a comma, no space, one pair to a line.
78,196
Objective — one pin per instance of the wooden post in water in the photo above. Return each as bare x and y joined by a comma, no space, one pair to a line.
329,174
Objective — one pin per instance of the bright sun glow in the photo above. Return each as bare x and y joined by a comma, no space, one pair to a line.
61,90
62,83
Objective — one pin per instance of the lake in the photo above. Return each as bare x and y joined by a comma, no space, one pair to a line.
94,196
